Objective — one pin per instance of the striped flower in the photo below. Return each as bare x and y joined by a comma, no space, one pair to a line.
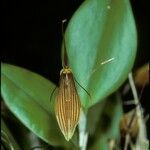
68,105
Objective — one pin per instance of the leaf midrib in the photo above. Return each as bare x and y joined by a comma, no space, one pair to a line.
17,85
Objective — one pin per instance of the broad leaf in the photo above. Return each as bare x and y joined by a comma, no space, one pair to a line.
27,95
104,128
101,30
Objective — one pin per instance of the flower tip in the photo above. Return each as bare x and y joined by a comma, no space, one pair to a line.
68,135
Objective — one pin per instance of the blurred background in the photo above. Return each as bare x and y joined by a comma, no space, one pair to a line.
31,36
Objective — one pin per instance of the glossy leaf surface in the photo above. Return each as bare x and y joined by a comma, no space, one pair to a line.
101,30
27,96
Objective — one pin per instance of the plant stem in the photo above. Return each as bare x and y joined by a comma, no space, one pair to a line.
127,139
134,92
139,113
83,135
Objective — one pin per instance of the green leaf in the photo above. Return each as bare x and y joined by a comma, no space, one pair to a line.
101,30
7,137
105,127
28,139
27,95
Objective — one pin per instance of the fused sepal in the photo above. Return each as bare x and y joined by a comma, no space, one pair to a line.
68,106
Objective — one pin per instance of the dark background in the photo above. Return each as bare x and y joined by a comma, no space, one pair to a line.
31,33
